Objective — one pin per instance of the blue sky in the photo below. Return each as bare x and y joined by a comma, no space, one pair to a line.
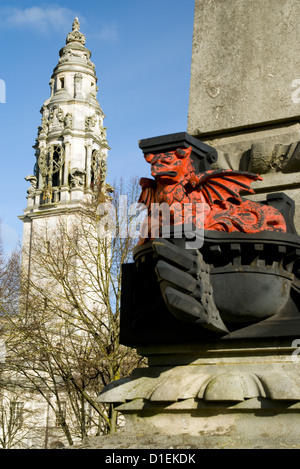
142,52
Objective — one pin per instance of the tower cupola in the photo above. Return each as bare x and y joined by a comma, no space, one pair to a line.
71,146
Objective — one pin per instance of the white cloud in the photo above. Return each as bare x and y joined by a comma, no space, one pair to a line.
47,18
108,33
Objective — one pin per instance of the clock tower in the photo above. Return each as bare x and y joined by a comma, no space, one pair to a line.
71,147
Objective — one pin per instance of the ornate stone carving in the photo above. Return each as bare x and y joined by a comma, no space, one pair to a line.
102,170
77,177
68,120
43,161
95,161
44,128
60,142
55,117
263,158
47,194
45,124
51,113
99,166
33,181
90,122
69,54
51,83
60,114
103,134
75,34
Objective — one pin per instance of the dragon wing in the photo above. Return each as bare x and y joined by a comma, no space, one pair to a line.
225,183
148,195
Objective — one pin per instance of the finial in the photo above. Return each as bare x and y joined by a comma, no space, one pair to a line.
75,34
76,25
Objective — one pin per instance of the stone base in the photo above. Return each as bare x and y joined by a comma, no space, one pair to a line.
158,441
251,421
244,390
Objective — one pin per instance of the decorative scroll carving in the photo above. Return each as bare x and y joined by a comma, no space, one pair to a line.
264,158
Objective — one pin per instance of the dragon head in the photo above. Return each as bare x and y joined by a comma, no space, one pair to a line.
171,167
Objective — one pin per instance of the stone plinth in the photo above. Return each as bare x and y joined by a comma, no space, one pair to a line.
245,60
248,390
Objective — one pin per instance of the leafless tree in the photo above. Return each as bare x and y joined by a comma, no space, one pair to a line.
65,338
9,279
17,418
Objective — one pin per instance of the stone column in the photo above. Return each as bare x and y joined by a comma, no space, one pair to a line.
78,86
65,189
41,182
66,164
245,89
88,147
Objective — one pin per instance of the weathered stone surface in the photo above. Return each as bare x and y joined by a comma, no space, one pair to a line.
260,150
240,394
134,441
245,63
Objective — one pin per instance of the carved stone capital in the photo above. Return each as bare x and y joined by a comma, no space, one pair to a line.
263,158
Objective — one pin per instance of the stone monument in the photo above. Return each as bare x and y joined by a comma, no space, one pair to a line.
245,89
212,299
213,304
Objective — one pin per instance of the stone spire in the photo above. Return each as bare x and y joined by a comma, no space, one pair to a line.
71,146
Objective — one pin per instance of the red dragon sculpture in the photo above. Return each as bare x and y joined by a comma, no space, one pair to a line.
223,209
